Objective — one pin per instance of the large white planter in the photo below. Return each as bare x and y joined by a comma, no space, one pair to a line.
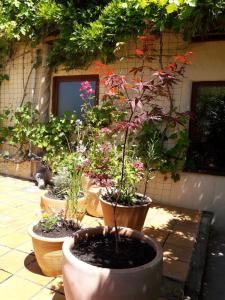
83,281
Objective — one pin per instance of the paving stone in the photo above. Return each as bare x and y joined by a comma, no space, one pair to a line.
33,273
4,275
15,260
175,269
16,288
177,253
159,235
46,294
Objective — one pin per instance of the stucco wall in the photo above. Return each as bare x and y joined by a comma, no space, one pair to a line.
204,192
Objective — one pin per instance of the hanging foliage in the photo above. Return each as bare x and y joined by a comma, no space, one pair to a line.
86,29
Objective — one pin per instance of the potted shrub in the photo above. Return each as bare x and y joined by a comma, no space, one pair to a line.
49,233
90,261
104,258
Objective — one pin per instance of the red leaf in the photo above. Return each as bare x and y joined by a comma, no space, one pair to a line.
139,52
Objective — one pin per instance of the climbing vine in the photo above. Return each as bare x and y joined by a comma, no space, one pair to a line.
96,27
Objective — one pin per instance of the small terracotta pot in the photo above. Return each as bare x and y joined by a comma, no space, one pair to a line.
126,216
86,183
49,204
83,281
56,205
48,252
94,207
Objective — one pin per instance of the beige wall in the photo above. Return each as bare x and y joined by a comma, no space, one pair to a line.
198,191
204,192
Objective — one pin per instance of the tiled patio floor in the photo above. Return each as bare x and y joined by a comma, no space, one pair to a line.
20,277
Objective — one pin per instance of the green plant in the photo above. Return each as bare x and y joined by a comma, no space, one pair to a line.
99,27
74,209
49,222
61,183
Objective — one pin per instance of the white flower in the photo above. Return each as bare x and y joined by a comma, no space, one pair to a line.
79,122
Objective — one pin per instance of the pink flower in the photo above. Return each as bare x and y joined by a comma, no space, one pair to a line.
105,147
105,130
82,96
138,166
90,91
85,85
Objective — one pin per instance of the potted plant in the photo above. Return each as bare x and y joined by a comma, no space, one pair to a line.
104,258
49,233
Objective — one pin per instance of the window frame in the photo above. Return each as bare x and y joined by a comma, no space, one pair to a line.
71,78
192,126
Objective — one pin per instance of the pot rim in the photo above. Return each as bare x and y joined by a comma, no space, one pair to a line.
69,243
127,206
43,238
45,195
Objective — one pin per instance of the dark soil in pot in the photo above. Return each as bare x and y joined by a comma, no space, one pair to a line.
52,195
100,251
139,200
67,228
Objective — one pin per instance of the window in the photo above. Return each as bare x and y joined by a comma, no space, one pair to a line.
206,153
66,93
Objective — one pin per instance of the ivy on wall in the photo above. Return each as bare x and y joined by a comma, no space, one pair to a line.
86,29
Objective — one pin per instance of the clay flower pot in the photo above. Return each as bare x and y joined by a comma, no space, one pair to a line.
48,252
126,216
94,207
83,281
49,205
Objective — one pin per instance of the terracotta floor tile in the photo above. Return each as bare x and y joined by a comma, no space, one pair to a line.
159,235
33,273
57,285
26,247
89,221
15,239
16,288
46,294
177,253
175,269
189,215
15,260
4,275
4,250
188,227
181,239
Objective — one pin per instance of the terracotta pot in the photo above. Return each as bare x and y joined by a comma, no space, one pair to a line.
49,204
86,183
48,252
126,216
56,205
94,207
83,281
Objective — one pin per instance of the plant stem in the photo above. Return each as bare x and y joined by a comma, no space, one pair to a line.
146,183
